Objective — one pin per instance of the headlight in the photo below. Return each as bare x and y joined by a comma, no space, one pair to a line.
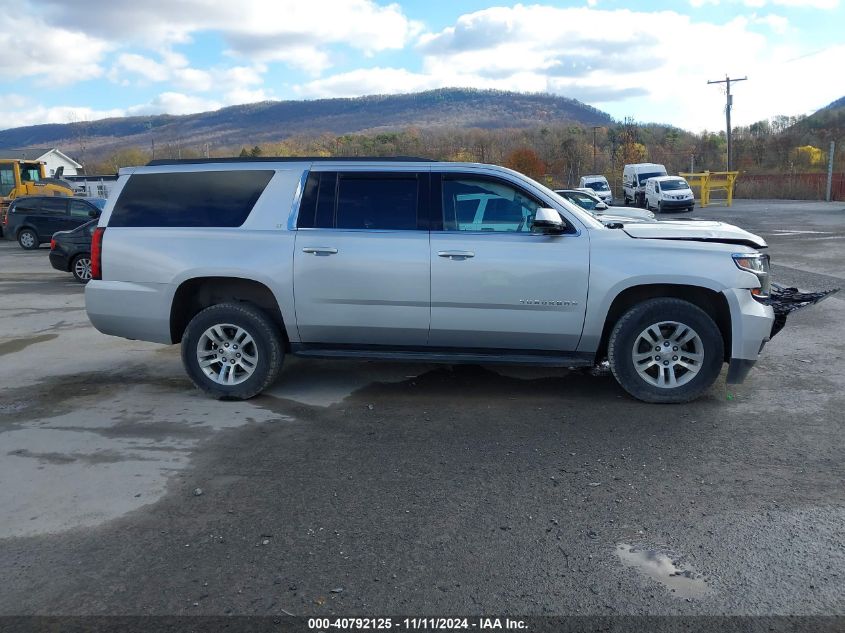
757,263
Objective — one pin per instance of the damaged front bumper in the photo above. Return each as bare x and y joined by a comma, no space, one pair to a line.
752,329
785,301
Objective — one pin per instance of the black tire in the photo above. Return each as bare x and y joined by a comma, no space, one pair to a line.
79,269
267,343
626,334
626,200
28,240
660,207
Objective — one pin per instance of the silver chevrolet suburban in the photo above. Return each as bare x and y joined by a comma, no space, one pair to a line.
244,261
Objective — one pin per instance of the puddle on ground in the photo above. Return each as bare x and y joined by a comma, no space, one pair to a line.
104,454
322,383
20,344
681,581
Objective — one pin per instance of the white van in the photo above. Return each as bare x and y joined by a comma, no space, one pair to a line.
668,192
633,181
599,186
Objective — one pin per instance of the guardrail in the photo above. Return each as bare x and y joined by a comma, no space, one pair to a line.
710,181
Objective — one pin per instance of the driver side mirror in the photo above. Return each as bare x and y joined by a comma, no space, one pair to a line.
93,214
548,221
601,206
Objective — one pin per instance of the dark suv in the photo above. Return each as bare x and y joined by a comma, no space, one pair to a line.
33,220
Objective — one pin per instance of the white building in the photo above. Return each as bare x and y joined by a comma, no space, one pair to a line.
93,186
51,156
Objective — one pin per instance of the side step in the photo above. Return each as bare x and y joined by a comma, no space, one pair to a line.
452,357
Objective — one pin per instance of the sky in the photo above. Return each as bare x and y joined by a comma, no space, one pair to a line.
76,60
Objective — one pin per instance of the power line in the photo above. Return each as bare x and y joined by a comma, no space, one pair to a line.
728,105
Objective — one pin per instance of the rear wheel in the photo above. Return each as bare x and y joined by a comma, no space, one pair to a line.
28,240
232,351
81,268
666,350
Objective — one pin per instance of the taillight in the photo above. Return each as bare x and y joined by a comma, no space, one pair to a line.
52,243
97,253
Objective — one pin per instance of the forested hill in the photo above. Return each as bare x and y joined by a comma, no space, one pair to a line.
276,120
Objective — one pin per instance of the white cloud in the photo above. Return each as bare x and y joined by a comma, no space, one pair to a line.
175,103
777,23
56,55
174,69
291,31
759,4
654,72
17,110
367,81
144,67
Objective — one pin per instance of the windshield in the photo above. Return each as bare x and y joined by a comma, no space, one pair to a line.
581,199
30,172
671,185
598,185
644,177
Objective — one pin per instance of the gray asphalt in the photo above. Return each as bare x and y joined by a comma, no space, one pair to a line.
369,488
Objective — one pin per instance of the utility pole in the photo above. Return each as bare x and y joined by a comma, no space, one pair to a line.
595,127
728,105
152,138
830,169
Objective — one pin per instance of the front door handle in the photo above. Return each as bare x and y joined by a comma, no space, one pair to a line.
456,254
320,250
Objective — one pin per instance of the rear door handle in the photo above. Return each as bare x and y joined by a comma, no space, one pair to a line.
456,254
320,250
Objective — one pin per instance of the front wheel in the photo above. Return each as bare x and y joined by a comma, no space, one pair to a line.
28,240
666,350
232,351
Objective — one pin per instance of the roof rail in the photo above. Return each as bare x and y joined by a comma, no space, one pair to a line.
289,159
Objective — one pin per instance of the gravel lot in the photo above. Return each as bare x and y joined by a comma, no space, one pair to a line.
370,488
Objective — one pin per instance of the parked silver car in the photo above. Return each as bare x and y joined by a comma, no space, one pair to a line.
591,203
244,261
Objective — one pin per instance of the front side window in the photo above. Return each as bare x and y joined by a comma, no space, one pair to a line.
79,209
480,204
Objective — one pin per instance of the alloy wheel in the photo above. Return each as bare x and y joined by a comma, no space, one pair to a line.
227,354
668,354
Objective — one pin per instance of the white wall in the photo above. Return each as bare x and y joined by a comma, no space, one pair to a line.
54,161
94,187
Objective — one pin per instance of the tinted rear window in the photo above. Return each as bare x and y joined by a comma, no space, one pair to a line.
53,206
360,200
207,198
377,203
25,206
